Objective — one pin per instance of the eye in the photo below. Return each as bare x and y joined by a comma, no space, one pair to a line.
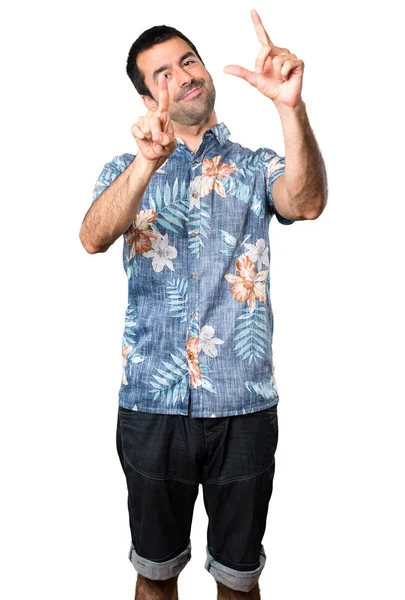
188,62
167,75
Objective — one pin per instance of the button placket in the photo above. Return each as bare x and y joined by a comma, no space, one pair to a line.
193,262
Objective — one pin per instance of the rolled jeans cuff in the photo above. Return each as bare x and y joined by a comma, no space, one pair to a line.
160,570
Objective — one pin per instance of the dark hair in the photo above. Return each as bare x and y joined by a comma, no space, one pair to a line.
147,39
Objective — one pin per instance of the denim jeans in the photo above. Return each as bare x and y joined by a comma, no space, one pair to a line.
166,457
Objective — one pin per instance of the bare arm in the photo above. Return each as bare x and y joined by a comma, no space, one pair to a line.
115,209
302,192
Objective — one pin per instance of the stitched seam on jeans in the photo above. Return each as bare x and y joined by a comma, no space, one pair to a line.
211,481
159,477
210,436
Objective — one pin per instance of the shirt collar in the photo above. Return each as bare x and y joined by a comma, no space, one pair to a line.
220,131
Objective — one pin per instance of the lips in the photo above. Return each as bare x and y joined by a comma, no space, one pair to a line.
192,92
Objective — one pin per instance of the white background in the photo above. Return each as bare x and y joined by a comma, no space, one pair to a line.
336,519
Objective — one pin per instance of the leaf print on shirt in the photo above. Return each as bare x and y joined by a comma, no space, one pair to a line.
244,184
171,383
263,389
161,253
177,292
131,267
212,172
140,234
245,193
275,164
259,253
171,207
129,354
252,335
273,378
248,286
198,226
206,382
233,248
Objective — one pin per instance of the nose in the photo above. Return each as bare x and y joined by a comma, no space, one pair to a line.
183,78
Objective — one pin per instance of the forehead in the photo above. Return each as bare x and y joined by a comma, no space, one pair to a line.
166,53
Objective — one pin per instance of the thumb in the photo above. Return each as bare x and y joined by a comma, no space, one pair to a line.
241,72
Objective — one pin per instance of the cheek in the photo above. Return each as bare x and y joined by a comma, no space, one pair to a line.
208,78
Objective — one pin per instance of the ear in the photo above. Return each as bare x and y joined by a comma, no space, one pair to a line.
149,103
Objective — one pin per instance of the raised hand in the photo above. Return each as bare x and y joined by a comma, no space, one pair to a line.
278,73
154,132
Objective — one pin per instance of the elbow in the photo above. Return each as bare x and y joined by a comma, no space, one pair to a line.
91,249
316,209
89,246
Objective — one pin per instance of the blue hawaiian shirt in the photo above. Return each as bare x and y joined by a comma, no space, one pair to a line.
199,322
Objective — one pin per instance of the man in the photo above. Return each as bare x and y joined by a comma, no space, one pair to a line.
198,399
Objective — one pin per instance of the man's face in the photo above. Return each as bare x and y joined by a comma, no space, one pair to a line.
191,89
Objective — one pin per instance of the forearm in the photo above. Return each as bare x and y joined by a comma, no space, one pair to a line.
113,212
305,174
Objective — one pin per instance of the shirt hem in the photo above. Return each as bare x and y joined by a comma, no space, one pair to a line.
188,411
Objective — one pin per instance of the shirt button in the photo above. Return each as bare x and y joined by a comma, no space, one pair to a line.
193,276
192,315
193,234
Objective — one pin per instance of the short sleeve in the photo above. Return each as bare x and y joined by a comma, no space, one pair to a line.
110,172
275,168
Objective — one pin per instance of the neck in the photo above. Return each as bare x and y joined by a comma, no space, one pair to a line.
192,134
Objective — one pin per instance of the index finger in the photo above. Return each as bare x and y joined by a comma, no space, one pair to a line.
260,30
163,94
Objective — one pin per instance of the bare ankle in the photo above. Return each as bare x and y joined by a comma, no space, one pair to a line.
226,593
156,589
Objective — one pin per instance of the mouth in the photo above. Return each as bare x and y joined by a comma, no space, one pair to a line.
194,92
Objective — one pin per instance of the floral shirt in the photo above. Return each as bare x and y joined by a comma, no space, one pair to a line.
199,322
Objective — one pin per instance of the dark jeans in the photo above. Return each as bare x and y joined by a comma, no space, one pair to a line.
166,457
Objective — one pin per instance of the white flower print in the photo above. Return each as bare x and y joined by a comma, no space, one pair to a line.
161,253
258,253
206,341
195,193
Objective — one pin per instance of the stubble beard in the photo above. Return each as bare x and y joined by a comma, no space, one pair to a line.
195,112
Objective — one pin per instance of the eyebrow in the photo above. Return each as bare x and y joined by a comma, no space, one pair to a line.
164,67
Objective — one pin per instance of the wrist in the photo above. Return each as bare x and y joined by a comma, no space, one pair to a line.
299,108
145,168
